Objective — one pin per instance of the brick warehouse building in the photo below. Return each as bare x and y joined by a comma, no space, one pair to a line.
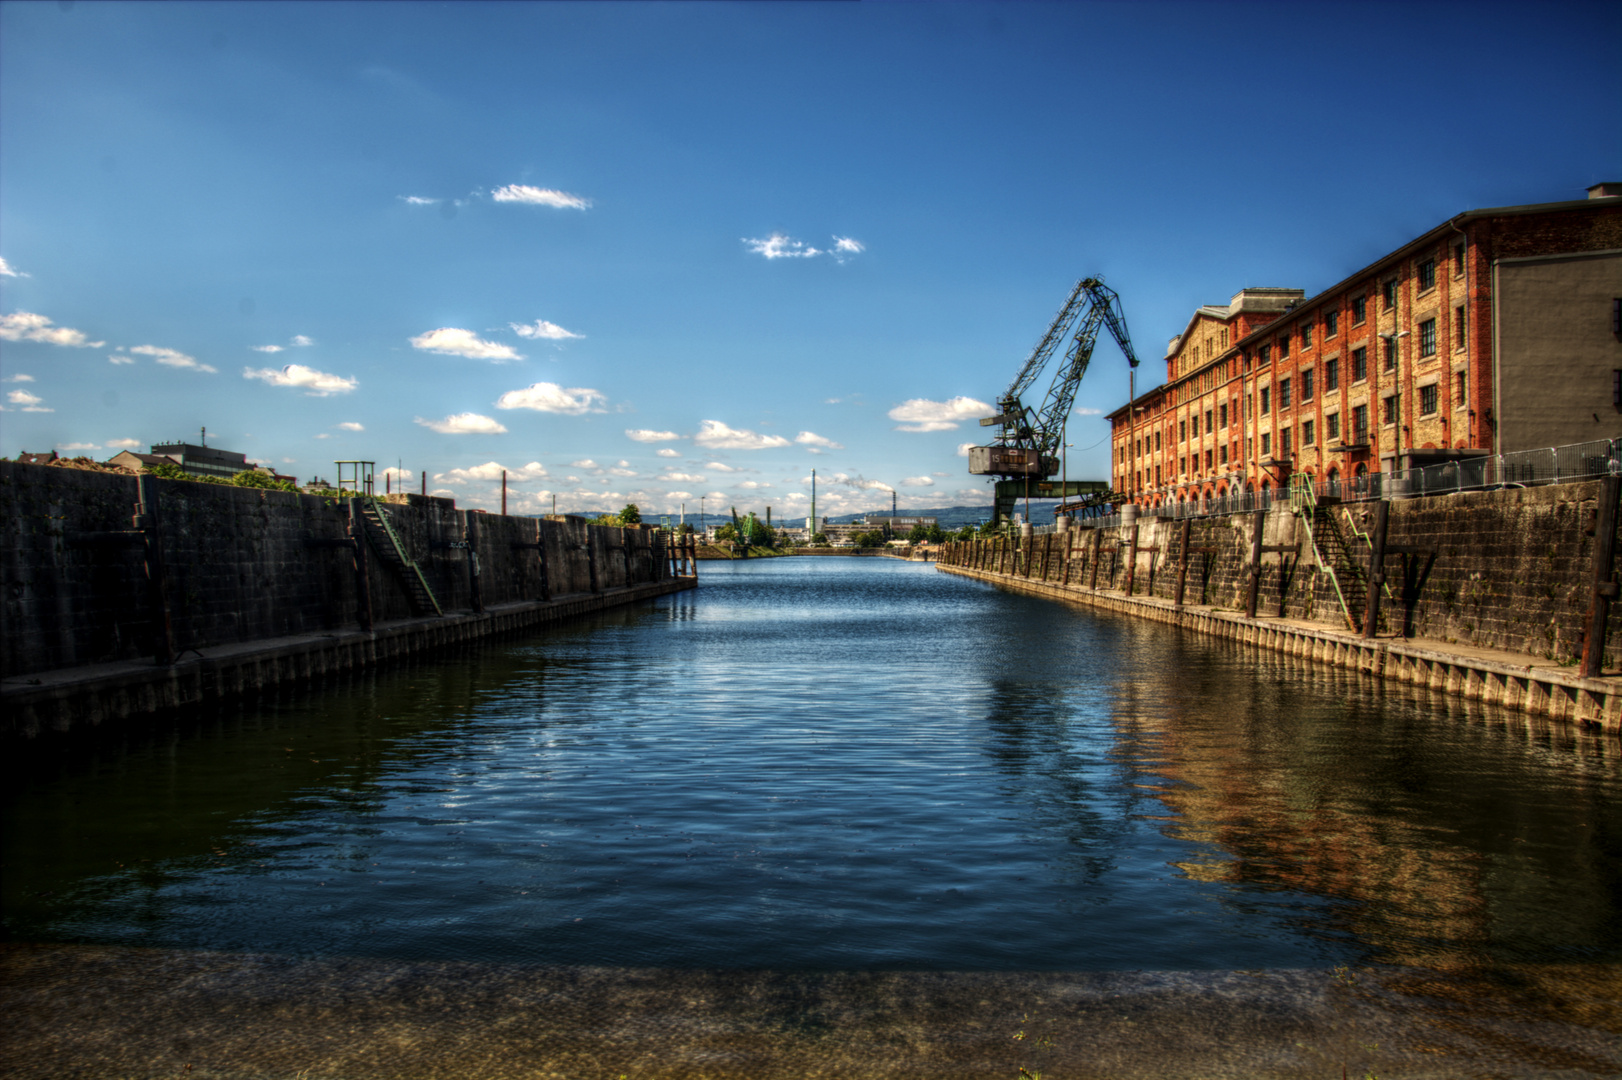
1496,331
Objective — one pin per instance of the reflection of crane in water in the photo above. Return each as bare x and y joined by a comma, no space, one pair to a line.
1025,451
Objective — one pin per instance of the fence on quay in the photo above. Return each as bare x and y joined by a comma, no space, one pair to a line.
1487,472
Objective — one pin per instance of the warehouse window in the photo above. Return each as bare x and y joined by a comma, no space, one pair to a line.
1427,400
1427,275
1332,426
1390,354
1222,413
1306,385
1267,444
1332,374
1284,346
1182,431
1208,421
1331,323
1360,309
1360,422
1306,336
1458,258
1460,384
1390,406
1360,365
1284,443
1427,338
1388,294
1284,393
1267,400
1458,327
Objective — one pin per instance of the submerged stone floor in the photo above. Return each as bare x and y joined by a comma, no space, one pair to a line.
91,1011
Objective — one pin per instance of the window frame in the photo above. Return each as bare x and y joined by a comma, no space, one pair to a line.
1427,338
1429,400
1360,310
1360,364
1332,375
1425,274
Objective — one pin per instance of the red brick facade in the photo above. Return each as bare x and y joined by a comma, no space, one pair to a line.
1254,396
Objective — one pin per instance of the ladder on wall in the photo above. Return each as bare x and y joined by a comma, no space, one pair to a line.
423,600
1334,555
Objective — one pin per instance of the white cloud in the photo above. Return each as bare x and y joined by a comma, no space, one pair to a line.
963,448
552,398
417,200
77,446
398,474
717,436
649,435
918,481
857,482
29,402
621,470
7,270
350,425
302,341
124,444
266,348
668,452
18,378
921,414
543,329
848,246
751,484
534,196
683,478
491,471
26,326
721,467
779,246
314,383
119,358
172,358
454,341
466,423
941,474
678,494
585,463
811,438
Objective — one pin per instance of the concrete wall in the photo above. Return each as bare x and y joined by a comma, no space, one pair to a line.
1556,350
1511,568
241,567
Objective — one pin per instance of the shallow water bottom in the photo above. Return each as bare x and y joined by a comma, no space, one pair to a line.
95,1011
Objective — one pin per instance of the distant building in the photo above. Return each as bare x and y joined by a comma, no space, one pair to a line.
1498,330
204,460
36,459
898,524
134,462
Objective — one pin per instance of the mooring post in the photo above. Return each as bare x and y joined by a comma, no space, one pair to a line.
157,577
540,554
1132,560
470,533
1605,587
1255,583
1098,547
1182,560
1371,610
591,559
357,553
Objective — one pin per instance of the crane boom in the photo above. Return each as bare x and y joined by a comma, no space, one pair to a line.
1027,444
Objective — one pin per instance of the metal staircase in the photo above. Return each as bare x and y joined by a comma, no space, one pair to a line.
393,553
1346,574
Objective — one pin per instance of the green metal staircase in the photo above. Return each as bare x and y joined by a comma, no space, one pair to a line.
393,552
1346,574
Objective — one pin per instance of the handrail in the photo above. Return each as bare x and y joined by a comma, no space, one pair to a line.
1334,575
399,549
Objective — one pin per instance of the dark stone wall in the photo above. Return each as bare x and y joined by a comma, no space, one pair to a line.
1508,569
241,566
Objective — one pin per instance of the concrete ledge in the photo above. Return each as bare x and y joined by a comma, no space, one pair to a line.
1497,678
73,698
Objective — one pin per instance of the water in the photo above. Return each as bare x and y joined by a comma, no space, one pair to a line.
821,767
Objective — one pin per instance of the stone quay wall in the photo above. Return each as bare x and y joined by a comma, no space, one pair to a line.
245,565
1509,571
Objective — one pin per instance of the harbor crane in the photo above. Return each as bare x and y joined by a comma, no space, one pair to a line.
1025,451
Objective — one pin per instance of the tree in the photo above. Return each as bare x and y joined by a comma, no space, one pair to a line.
254,478
726,534
630,515
935,535
919,534
819,539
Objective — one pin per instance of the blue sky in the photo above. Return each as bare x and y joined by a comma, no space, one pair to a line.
576,241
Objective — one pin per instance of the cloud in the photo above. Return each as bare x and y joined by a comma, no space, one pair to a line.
552,398
301,341
858,483
683,478
77,446
29,402
668,452
466,423
811,438
918,481
717,436
172,358
750,485
534,196
849,246
939,474
350,425
621,470
266,348
417,200
649,435
453,341
491,471
7,270
779,246
921,414
18,378
543,329
584,463
721,467
963,448
119,358
26,326
124,444
314,383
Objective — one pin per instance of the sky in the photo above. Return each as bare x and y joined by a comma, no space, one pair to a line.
668,253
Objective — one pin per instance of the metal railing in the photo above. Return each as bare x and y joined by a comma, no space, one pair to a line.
1524,468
